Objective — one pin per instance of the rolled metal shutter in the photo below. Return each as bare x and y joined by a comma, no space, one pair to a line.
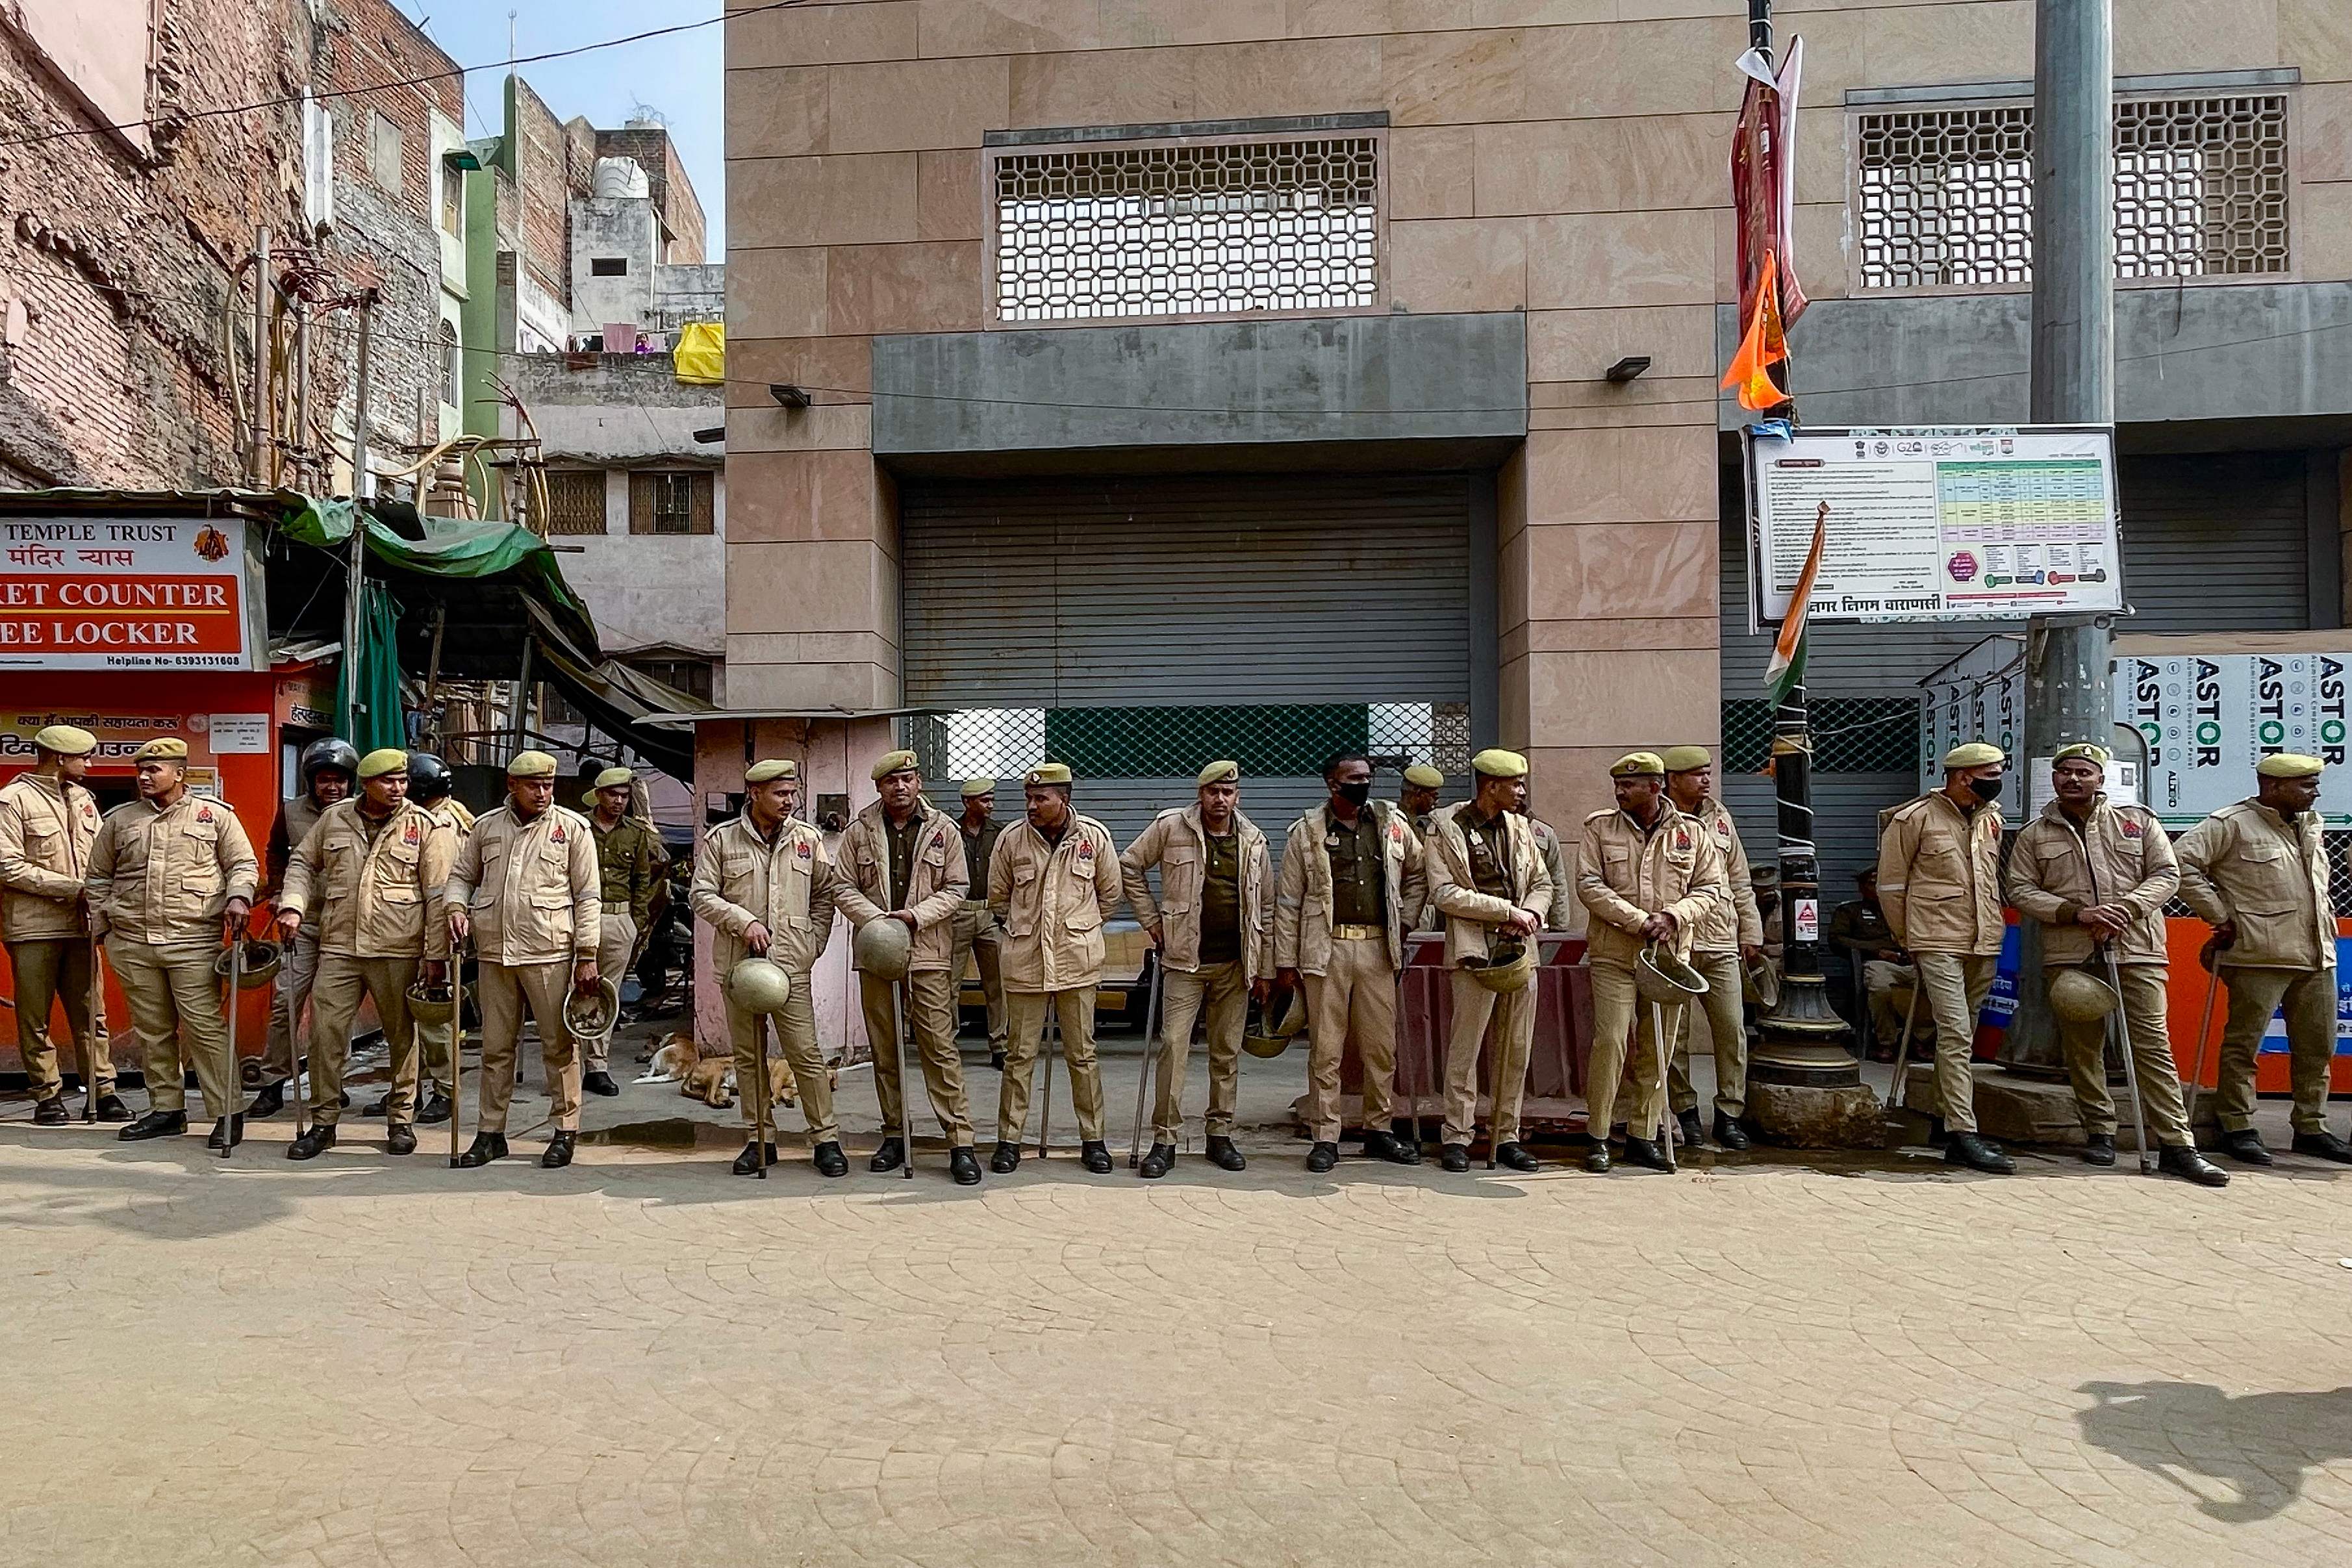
1085,598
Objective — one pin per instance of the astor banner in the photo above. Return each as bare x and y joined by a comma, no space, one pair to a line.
82,592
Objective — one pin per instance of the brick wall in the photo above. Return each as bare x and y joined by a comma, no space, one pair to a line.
543,190
665,182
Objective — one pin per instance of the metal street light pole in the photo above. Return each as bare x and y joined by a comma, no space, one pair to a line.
2067,688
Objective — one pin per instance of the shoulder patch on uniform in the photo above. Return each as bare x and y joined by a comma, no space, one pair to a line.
557,834
2132,829
1682,838
203,814
801,847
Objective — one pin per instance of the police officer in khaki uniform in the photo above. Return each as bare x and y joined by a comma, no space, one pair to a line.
1488,881
630,859
171,880
2096,875
1731,936
2257,871
429,783
525,885
766,886
327,766
1353,881
1052,881
1647,874
1417,796
1212,927
47,821
368,876
1939,889
902,859
976,933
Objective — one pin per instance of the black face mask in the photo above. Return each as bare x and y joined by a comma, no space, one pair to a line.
1985,789
1356,793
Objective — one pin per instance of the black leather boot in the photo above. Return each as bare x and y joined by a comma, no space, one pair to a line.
269,1101
599,1083
1384,1146
380,1106
559,1150
964,1165
829,1158
2182,1160
1096,1158
1978,1154
1687,1123
1006,1160
228,1133
1222,1154
1596,1159
2099,1149
2323,1145
155,1124
52,1112
748,1162
486,1147
112,1108
400,1138
888,1156
1454,1157
435,1111
1156,1160
1645,1152
1407,1133
313,1143
1322,1158
1511,1156
2246,1147
1728,1133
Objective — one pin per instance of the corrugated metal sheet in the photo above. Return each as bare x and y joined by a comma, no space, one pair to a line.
1139,591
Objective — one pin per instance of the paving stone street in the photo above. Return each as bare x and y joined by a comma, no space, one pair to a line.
642,1360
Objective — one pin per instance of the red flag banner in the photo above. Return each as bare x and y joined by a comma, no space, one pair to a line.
1763,179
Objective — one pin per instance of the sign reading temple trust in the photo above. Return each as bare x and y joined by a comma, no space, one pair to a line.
1935,524
145,593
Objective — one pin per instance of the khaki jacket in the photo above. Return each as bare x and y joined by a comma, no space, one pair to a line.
629,860
163,877
1179,846
1302,904
1737,923
1052,900
789,885
1624,876
1940,877
935,882
46,832
2121,855
1470,915
2246,864
1563,887
373,900
530,887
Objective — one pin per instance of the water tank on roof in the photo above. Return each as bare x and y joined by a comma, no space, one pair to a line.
620,178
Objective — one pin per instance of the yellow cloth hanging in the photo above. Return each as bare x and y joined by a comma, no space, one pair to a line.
702,355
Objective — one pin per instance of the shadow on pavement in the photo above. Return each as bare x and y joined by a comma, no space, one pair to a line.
2262,1446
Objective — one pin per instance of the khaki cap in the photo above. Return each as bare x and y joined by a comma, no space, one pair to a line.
978,786
382,761
891,763
2088,750
1684,759
67,741
2289,765
1974,754
1633,764
1221,773
1495,762
1048,773
612,778
531,765
769,768
170,749
1421,775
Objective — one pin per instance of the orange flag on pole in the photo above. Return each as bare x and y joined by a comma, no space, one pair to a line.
1762,346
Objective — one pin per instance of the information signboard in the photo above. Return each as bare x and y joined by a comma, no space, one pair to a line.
1935,524
101,592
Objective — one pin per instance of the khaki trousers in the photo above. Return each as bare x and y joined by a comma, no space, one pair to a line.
616,940
797,1033
1355,998
335,996
505,990
1025,1021
47,973
931,1008
1510,1018
1620,1016
1729,1028
173,994
1222,989
1886,987
2085,1049
977,934
2307,997
433,1041
298,966
1956,986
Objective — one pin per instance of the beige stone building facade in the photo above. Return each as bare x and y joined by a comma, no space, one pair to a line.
1056,273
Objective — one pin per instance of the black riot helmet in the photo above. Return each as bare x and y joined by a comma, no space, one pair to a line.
332,753
428,778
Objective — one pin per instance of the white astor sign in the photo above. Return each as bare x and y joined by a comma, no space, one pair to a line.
98,593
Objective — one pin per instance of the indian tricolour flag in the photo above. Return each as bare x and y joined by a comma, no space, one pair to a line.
1787,670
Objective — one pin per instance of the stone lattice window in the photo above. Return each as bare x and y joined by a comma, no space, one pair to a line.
1197,228
1945,197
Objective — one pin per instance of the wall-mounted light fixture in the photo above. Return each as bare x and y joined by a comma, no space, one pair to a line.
789,395
1626,369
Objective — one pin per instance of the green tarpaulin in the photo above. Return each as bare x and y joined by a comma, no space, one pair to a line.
452,546
376,719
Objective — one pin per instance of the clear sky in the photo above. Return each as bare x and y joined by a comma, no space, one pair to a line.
678,77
